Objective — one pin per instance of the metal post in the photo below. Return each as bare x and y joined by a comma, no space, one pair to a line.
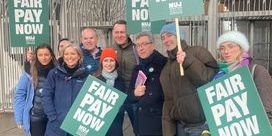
212,26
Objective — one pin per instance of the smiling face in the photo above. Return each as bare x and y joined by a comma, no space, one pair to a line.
71,57
119,34
230,51
89,39
144,47
169,41
108,64
44,56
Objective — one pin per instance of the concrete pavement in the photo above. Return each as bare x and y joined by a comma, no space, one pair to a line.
8,126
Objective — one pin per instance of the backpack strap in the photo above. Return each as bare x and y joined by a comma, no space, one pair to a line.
253,70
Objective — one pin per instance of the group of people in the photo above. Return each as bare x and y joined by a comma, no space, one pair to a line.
165,104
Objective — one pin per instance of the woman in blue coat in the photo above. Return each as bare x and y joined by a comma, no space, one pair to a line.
61,88
28,109
149,95
109,75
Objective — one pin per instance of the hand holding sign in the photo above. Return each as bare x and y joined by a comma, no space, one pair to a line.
232,106
168,9
139,84
181,56
94,109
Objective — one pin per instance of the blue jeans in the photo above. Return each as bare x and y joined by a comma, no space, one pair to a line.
191,130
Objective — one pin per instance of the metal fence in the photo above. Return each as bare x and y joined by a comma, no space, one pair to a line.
67,17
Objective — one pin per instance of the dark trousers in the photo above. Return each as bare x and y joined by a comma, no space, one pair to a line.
148,135
116,128
131,110
37,126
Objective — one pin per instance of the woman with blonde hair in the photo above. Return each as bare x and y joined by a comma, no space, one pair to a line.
233,47
61,88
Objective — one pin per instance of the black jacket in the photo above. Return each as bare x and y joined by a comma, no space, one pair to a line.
149,106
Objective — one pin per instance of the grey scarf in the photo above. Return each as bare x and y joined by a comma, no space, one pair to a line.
110,77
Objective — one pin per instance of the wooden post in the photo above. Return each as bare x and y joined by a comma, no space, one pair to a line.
179,46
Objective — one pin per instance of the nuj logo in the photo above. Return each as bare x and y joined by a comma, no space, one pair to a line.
175,5
30,39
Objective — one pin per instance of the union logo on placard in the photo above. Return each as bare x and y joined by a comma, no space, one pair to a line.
30,39
175,8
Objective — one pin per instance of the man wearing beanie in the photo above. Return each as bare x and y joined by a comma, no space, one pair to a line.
182,111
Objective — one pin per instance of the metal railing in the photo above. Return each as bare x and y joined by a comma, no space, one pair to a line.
262,55
67,17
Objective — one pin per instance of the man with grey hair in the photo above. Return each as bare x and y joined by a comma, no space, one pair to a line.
91,53
148,95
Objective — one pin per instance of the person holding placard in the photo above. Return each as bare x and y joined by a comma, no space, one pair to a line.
61,87
28,60
109,65
28,109
182,111
63,43
146,87
233,47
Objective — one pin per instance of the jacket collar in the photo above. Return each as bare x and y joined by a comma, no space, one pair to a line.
80,72
128,44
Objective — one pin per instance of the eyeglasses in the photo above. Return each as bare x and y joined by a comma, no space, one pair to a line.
143,44
228,47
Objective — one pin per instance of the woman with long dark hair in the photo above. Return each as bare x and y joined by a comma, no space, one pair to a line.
28,109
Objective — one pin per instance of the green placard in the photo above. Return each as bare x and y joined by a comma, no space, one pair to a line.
94,109
168,9
28,22
233,107
138,18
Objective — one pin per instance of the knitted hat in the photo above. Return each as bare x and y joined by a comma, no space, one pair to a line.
108,52
235,37
171,28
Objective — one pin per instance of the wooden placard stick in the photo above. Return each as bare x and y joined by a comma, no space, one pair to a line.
179,45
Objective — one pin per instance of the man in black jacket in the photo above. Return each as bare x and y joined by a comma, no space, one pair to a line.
147,95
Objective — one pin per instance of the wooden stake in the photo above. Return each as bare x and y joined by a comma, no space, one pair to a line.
179,45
